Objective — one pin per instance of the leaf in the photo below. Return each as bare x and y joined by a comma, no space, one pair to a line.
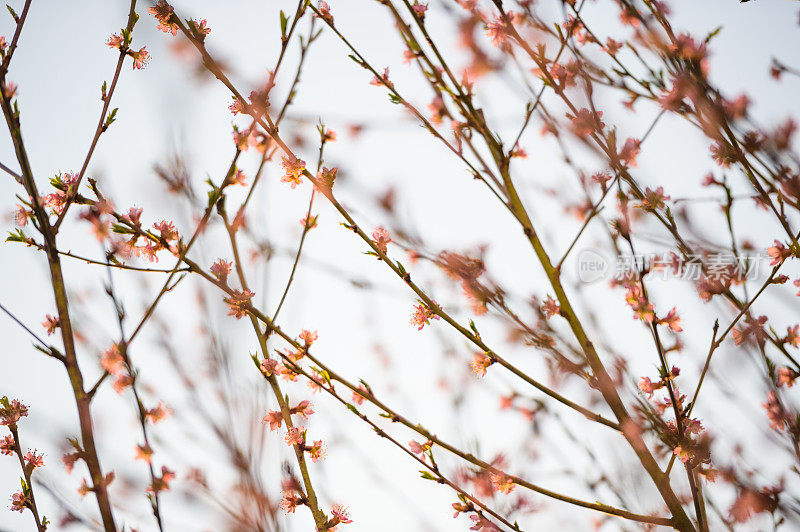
770,367
326,376
122,229
42,349
428,476
19,236
112,116
284,23
714,33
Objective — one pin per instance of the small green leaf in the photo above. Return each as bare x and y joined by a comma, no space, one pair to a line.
122,229
17,236
112,116
713,33
13,13
284,24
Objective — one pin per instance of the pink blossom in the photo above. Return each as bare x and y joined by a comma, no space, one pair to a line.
315,384
121,382
778,253
340,512
358,398
239,302
237,106
158,413
144,453
564,75
418,448
381,239
753,327
787,376
34,460
69,460
792,335
291,501
480,362
163,482
269,366
587,122
274,418
328,135
50,324
317,451
550,307
295,436
221,269
84,488
133,216
498,31
687,48
630,150
777,415
163,12
325,179
750,501
502,482
481,523
20,216
642,308
653,199
648,387
167,230
382,80
612,46
694,426
419,9
7,445
140,58
19,502
325,12
293,168
672,320
115,41
309,222
736,109
302,409
308,337
422,316
112,361
202,28
13,412
518,152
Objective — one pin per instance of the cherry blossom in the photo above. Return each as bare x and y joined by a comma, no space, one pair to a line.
293,168
422,316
